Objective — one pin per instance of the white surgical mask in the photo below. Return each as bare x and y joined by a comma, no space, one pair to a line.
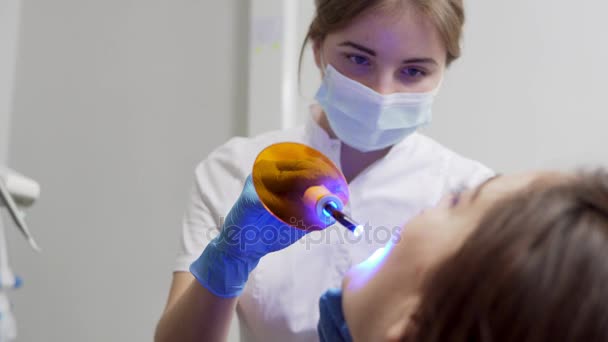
367,120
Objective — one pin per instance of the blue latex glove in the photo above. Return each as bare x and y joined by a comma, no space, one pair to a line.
332,324
248,233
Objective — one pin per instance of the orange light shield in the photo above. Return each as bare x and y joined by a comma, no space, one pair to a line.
282,174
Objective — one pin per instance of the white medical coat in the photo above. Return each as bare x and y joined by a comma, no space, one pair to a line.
280,301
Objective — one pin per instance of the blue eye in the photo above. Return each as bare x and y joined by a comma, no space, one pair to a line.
413,72
456,194
359,60
455,198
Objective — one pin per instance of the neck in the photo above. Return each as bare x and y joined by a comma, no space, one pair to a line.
352,160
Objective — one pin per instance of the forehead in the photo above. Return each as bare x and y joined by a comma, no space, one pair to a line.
403,28
507,184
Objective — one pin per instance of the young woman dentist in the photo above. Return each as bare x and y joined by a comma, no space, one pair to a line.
382,63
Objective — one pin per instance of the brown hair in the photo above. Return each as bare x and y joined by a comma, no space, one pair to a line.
333,15
536,269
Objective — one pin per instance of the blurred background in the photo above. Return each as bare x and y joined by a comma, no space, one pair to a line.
110,105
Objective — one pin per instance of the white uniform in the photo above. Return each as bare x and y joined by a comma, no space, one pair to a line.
280,301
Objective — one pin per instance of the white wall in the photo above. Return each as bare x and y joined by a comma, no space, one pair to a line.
278,28
310,77
9,24
530,89
116,101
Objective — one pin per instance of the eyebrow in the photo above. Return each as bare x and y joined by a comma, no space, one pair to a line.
373,53
482,185
359,47
420,60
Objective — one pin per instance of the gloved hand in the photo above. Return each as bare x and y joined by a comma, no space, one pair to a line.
332,324
248,233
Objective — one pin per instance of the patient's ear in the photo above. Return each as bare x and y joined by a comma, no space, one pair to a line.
396,330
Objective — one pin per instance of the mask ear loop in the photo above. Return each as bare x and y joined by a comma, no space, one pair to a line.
439,85
323,64
323,67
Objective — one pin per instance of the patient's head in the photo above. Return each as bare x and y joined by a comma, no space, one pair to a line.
521,258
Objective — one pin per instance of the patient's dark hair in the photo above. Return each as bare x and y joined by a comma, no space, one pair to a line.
536,269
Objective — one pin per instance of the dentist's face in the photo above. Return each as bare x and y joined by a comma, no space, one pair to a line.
380,294
387,52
